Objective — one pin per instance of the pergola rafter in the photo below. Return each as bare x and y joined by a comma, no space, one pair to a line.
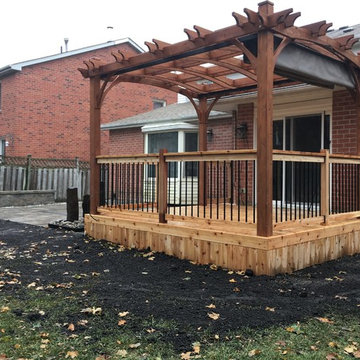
242,56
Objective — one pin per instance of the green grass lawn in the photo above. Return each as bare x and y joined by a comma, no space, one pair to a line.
67,323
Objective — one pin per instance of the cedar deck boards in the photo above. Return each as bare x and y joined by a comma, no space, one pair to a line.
293,246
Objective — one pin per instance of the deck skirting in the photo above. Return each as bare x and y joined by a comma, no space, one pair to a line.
285,252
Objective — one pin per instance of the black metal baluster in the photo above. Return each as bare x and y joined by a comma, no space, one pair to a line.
224,188
276,171
246,191
231,188
291,189
238,189
254,190
205,186
180,188
174,182
198,189
211,187
192,188
281,191
186,187
217,188
168,187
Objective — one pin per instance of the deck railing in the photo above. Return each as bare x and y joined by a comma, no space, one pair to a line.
221,185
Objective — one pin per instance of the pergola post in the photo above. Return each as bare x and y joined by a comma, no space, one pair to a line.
265,75
95,108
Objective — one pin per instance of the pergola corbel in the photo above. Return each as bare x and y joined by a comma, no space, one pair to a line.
232,60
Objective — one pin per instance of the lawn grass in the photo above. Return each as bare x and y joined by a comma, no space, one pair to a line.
53,324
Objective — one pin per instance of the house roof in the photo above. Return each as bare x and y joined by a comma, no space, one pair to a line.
12,68
175,112
345,30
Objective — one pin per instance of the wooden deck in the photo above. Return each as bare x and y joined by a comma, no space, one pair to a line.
293,246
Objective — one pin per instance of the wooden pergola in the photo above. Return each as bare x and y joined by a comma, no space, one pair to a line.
213,64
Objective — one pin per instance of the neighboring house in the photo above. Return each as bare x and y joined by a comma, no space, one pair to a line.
44,103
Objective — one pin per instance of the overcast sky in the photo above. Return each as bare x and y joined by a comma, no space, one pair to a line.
34,28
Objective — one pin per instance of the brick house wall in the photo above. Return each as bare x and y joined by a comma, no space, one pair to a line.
45,107
126,141
343,123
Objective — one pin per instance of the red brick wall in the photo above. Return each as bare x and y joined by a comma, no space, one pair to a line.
222,138
45,107
126,141
343,123
245,115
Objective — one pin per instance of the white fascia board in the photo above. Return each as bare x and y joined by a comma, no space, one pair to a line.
168,127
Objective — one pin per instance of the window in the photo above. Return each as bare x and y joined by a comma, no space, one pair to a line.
191,144
2,147
165,140
158,104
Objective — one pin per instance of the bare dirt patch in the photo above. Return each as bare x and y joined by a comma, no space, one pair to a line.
194,299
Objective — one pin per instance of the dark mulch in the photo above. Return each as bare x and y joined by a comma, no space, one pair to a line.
170,289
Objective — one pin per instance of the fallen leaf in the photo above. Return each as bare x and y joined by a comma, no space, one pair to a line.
151,258
213,267
4,309
270,309
324,320
232,281
216,337
350,349
196,347
71,354
71,327
45,341
82,322
122,353
356,354
93,311
295,328
213,315
236,289
33,284
17,346
341,297
122,314
121,322
44,334
186,356
211,306
331,356
150,331
314,348
254,352
333,344
134,346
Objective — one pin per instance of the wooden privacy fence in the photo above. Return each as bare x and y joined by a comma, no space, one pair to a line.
221,185
27,173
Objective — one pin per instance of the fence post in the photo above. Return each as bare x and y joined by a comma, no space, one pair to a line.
162,186
28,172
325,187
77,177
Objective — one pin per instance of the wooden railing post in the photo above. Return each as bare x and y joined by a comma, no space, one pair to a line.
325,187
162,186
